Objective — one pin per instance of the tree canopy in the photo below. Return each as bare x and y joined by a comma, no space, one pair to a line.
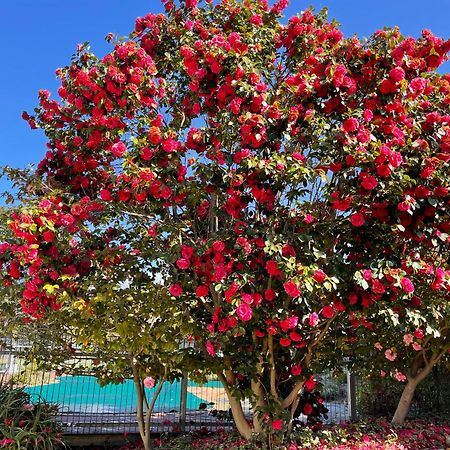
277,182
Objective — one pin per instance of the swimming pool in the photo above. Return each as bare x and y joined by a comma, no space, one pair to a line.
84,395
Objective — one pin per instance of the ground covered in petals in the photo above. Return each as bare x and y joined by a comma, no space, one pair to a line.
375,435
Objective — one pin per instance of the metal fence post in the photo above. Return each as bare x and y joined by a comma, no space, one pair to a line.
351,396
183,402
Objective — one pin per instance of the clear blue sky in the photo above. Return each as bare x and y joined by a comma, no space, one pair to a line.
41,35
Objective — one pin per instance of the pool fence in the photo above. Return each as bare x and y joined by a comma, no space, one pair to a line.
84,407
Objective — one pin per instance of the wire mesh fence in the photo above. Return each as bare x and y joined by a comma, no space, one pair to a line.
85,407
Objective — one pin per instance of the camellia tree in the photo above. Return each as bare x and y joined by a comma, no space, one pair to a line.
414,339
254,170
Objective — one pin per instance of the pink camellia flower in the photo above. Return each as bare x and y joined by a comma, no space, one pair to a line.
382,373
308,218
400,376
118,149
319,276
408,339
28,407
397,74
357,219
244,312
256,20
407,285
313,319
176,290
390,355
367,274
6,441
378,346
277,424
418,84
291,289
149,382
395,159
416,346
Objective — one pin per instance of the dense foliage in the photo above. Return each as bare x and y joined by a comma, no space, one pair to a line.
25,423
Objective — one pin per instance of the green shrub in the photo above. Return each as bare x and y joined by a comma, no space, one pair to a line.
25,424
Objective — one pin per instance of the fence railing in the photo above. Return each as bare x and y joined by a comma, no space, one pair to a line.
86,408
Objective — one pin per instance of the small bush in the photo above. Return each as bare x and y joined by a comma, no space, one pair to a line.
25,424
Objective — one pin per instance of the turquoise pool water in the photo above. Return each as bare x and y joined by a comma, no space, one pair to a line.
84,394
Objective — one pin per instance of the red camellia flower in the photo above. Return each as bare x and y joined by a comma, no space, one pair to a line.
176,290
350,125
270,295
272,268
244,312
296,337
105,195
154,135
277,424
307,409
48,236
369,183
328,312
357,219
291,289
310,383
202,291
384,170
285,342
183,263
378,287
319,276
296,370
419,334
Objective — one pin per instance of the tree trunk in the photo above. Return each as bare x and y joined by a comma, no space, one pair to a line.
418,374
141,417
239,417
405,402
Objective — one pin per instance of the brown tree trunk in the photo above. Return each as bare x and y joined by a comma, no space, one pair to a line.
418,373
141,416
405,402
239,418
144,408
